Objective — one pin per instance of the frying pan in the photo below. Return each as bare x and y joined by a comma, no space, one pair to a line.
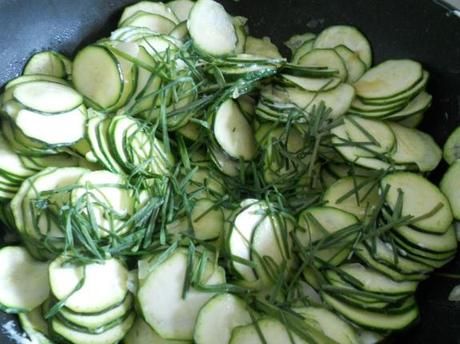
419,29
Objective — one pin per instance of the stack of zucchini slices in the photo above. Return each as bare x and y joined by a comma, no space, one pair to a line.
180,181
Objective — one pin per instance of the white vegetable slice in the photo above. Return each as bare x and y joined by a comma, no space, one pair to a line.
98,320
331,324
239,242
104,284
161,301
110,336
61,129
218,317
11,162
420,197
416,147
49,97
154,22
313,84
389,79
272,330
98,76
338,99
152,7
348,36
46,63
233,132
181,8
142,333
211,28
35,326
23,280
325,58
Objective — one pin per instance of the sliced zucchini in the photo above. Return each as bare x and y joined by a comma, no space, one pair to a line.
224,163
104,284
325,58
311,84
152,7
338,99
356,195
207,219
93,321
142,333
48,97
373,320
419,198
449,186
97,75
419,104
77,336
46,63
60,129
415,147
412,121
35,326
211,28
169,314
233,132
154,22
364,254
355,66
181,8
241,33
446,242
111,200
348,36
318,223
261,47
11,164
296,41
376,282
332,325
389,79
271,330
23,280
218,317
452,147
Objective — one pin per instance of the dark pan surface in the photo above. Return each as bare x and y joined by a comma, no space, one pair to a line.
418,29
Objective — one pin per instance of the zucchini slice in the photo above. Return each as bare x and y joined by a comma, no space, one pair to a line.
46,63
331,324
211,28
104,284
348,36
325,58
218,317
355,66
154,22
97,75
451,150
23,280
419,198
48,97
62,129
373,320
181,8
93,321
142,333
449,186
152,7
35,326
160,296
233,132
272,330
389,79
77,336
